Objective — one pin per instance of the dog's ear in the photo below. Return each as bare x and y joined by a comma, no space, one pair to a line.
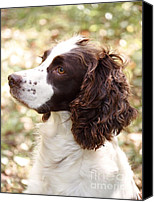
102,107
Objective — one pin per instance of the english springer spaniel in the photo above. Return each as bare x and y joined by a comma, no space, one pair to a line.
83,95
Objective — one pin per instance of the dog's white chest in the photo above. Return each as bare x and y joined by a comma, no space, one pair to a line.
63,168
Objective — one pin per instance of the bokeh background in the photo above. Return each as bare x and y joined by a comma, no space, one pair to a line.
25,34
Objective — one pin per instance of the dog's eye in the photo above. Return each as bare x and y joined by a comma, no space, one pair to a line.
60,70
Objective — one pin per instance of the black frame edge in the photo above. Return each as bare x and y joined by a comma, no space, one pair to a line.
147,118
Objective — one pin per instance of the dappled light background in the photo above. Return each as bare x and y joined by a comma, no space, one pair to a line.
25,34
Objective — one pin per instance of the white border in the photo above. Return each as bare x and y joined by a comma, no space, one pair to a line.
24,3
22,197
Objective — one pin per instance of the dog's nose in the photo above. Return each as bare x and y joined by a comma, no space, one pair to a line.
14,80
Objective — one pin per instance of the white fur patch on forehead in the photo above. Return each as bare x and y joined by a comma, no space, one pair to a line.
64,47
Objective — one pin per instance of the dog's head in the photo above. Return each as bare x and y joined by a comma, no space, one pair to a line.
82,79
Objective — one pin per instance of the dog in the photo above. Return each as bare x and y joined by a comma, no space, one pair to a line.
82,93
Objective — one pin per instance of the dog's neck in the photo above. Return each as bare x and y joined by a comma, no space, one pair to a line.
57,140
58,122
58,145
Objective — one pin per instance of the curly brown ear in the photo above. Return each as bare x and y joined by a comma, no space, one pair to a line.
102,106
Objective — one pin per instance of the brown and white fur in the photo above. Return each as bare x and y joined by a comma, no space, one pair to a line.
83,95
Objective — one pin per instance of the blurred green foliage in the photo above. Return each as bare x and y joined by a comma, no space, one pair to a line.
26,33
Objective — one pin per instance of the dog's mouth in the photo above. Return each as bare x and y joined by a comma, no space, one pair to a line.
15,82
17,91
46,116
